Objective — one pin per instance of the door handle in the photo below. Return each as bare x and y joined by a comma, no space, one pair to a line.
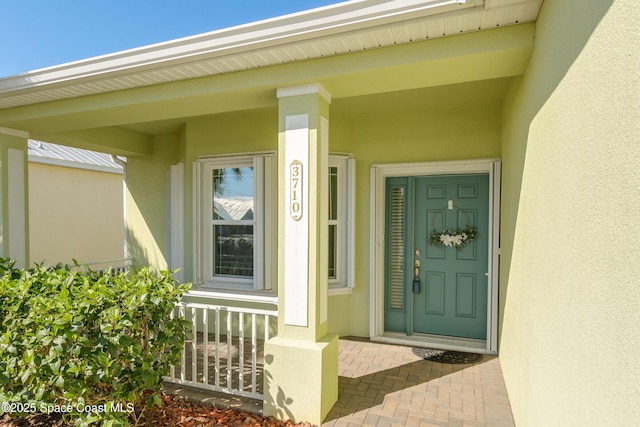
416,278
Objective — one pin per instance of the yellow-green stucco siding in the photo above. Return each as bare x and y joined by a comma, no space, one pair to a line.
569,336
418,134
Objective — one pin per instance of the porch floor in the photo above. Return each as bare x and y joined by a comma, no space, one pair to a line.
388,385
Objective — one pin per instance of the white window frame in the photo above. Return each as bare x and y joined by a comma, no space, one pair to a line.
345,236
264,224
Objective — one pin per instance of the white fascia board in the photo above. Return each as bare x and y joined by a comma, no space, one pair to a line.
302,26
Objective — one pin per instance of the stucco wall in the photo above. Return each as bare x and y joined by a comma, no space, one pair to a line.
222,134
569,339
429,134
74,213
422,134
147,182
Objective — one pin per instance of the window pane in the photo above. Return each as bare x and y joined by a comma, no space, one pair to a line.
232,193
233,250
332,251
333,192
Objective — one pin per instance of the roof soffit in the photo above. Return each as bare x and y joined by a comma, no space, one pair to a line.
334,30
498,53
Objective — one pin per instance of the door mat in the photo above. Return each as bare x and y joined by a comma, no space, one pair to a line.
450,357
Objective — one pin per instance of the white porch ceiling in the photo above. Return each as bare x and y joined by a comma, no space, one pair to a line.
334,30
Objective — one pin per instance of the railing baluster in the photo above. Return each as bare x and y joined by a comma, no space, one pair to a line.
217,347
205,345
266,327
172,371
254,352
201,322
194,345
229,348
183,360
241,351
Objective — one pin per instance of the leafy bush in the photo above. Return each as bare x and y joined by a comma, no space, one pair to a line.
93,343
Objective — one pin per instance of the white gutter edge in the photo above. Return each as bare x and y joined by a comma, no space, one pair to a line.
75,165
333,19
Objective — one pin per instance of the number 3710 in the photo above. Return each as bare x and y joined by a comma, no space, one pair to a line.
295,184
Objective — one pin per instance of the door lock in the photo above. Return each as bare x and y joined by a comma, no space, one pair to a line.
416,278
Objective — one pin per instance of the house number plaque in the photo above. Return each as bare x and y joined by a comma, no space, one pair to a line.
295,185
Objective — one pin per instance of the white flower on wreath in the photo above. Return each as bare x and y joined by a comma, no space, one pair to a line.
457,240
452,241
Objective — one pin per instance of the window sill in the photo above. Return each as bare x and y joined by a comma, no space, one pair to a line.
204,291
345,290
268,297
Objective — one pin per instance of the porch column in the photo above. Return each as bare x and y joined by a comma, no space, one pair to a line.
14,199
301,363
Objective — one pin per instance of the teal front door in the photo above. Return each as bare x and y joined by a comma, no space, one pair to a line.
437,287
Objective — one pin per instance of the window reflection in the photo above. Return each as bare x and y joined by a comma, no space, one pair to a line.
233,211
233,250
233,194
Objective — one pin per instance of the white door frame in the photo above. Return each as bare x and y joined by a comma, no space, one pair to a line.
379,173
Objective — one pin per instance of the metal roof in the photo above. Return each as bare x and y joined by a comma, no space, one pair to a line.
237,208
60,155
338,29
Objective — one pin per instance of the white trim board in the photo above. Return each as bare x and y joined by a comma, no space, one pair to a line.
17,209
74,165
379,173
14,132
176,220
434,342
296,228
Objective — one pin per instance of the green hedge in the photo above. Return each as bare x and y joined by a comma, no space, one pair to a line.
88,344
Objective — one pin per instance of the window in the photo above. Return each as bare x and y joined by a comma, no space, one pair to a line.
333,222
235,238
235,228
341,225
232,221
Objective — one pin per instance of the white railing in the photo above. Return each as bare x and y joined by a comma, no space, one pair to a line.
118,265
226,352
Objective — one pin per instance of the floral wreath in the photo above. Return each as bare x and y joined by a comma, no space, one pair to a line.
458,239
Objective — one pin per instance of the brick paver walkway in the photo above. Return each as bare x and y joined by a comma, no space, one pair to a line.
388,385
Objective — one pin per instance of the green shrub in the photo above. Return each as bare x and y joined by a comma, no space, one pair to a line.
94,343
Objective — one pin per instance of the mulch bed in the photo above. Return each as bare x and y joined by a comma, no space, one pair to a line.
175,411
